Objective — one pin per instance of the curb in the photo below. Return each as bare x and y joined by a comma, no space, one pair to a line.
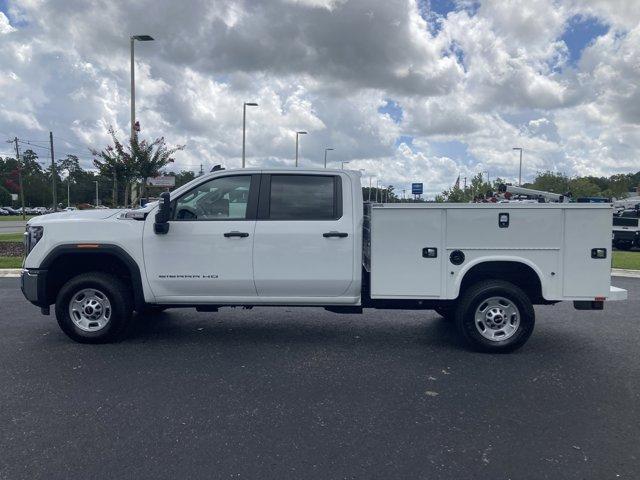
621,272
10,272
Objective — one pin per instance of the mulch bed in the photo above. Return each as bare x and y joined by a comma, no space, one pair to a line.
11,249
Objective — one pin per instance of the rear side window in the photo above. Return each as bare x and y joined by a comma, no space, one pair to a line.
304,197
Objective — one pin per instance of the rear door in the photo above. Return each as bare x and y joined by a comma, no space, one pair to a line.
304,237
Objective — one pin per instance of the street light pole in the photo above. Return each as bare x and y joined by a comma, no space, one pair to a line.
297,135
344,163
132,39
244,126
97,198
325,156
520,171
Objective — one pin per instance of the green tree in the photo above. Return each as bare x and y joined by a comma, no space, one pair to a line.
583,187
135,160
550,182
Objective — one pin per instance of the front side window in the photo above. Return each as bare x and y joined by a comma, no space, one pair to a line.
218,199
302,197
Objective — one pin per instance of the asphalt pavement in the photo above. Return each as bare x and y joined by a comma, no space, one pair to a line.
292,393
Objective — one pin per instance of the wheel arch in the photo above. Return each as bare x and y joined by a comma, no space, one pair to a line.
519,271
66,261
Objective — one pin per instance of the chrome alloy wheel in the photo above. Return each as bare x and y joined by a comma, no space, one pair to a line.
90,310
497,318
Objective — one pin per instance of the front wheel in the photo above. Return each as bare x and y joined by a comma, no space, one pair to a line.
94,308
495,316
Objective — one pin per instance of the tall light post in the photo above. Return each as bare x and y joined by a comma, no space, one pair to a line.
244,126
132,39
325,155
520,174
297,136
97,198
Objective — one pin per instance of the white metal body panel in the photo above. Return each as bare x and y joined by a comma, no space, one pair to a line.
397,240
554,240
582,275
195,259
293,259
94,226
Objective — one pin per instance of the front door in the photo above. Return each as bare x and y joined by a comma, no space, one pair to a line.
207,253
304,238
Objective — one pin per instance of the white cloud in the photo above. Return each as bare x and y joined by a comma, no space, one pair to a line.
489,78
5,26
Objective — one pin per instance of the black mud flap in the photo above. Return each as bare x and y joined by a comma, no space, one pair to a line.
588,305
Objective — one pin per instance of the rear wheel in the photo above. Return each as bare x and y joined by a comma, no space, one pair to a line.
94,308
495,316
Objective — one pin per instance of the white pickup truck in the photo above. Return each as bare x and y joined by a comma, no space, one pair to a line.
302,237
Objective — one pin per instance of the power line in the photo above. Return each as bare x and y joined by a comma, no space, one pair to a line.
33,144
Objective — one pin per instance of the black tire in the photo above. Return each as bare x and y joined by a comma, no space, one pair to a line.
447,312
473,298
118,295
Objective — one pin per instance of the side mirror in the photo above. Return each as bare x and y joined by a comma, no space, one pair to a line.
161,226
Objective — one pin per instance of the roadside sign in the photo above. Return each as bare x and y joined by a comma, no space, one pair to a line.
163,181
14,197
416,188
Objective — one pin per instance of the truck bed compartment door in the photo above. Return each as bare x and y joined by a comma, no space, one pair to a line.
406,253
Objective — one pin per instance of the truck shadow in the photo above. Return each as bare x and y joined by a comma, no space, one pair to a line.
379,329
295,327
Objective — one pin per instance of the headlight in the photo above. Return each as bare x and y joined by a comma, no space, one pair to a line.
32,236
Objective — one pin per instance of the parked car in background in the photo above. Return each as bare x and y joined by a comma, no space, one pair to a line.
626,229
70,209
3,212
11,210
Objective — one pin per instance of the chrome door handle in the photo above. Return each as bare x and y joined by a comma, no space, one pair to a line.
236,234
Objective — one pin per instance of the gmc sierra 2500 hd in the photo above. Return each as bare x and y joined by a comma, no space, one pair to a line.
302,237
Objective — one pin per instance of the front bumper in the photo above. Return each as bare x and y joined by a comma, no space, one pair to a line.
33,286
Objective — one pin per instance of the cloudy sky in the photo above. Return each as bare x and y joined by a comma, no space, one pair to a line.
408,90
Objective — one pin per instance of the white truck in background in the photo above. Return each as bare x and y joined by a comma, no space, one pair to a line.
256,237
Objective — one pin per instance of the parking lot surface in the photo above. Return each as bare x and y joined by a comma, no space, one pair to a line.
303,393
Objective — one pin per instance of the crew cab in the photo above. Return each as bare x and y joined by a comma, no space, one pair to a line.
304,237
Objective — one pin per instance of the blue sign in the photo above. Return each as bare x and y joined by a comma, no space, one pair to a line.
416,188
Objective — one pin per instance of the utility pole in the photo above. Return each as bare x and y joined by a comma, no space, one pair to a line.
97,198
115,189
370,180
465,183
15,141
53,174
